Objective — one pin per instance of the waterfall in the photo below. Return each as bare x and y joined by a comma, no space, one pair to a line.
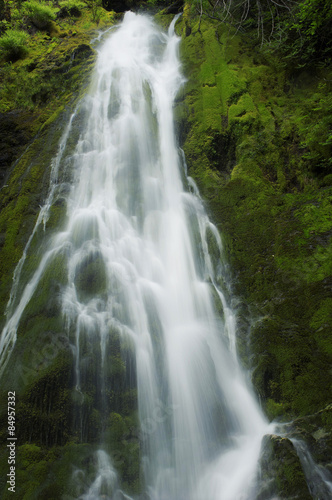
144,265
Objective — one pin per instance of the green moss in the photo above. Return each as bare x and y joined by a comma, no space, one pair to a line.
123,434
245,129
117,427
321,323
281,471
243,110
274,409
90,277
30,453
44,86
57,215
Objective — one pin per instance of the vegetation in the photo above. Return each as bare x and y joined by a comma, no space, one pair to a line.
41,15
308,33
13,44
300,30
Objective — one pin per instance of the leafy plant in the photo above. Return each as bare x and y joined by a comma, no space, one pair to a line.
13,44
41,15
308,35
4,25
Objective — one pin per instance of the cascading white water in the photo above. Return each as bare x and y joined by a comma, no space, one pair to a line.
132,216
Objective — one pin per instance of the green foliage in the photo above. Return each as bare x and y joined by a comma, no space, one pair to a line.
4,25
300,30
41,15
153,4
13,44
308,32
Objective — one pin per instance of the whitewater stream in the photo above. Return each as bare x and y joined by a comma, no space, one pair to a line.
133,213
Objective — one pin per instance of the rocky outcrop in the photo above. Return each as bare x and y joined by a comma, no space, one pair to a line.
316,431
281,474
14,136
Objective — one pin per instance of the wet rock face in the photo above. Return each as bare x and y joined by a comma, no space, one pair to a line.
90,277
13,138
316,431
81,52
281,473
175,7
117,5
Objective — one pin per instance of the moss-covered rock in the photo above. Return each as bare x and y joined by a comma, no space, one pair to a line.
90,277
281,473
316,431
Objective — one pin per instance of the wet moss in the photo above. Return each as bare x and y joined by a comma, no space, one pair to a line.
123,435
316,431
90,277
281,471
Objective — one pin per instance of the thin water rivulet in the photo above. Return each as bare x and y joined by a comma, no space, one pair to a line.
137,222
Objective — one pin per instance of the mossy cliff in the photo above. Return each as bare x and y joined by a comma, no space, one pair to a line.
255,135
255,132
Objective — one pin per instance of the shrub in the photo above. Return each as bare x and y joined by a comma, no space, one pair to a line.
13,43
41,15
308,33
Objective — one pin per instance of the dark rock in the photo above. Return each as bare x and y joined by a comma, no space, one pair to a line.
174,8
83,51
116,5
13,137
68,11
90,276
2,239
316,431
281,473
